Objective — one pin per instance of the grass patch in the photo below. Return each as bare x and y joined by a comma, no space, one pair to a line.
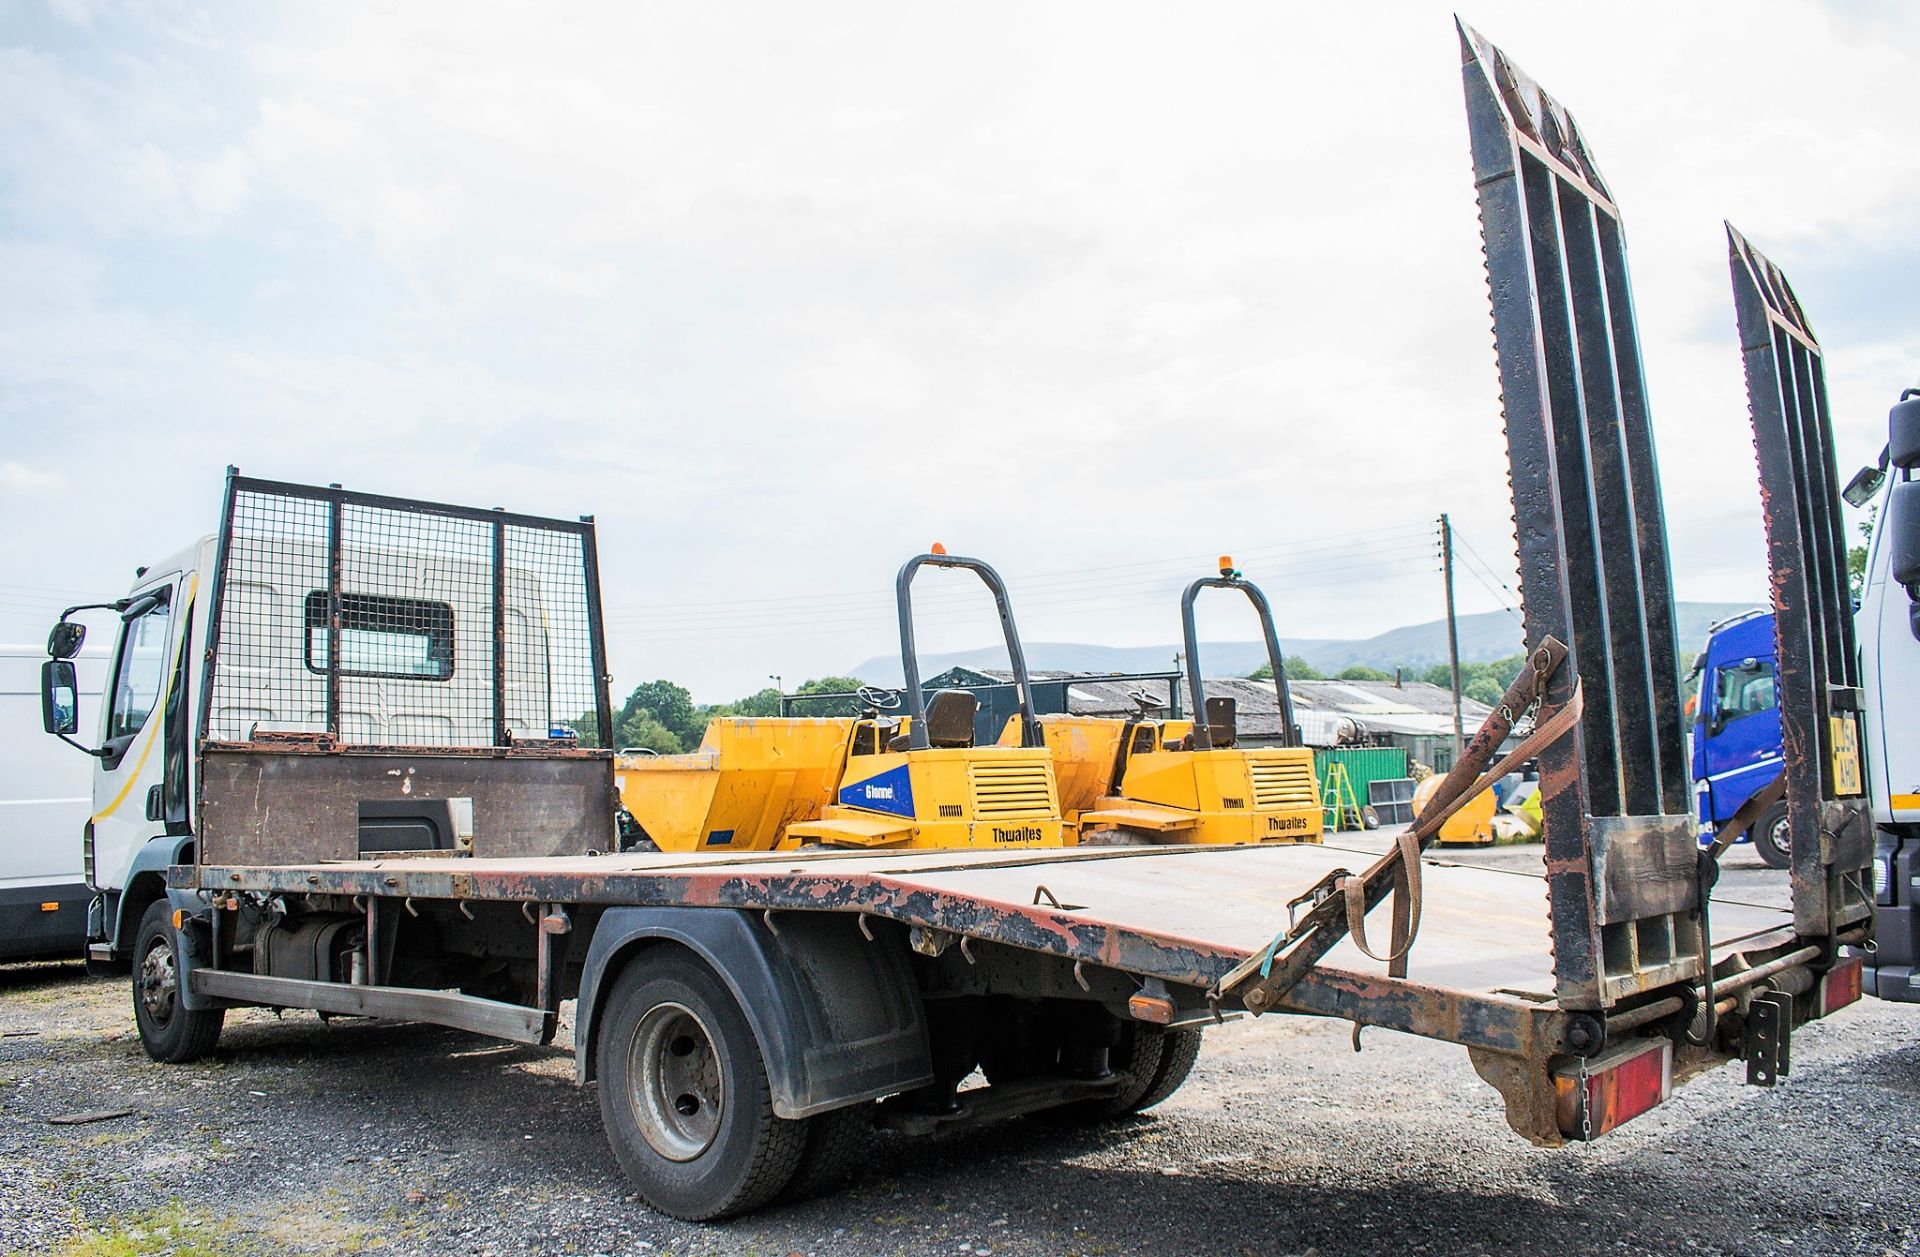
171,1230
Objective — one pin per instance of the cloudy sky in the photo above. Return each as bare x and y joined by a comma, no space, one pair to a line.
782,293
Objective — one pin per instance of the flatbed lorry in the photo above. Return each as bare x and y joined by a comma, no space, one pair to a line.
369,799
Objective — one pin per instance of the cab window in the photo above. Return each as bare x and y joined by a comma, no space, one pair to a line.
1744,688
383,637
137,672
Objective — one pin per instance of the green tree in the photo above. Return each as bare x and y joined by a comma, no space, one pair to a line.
828,707
1482,689
1361,672
1297,669
658,715
1857,555
759,703
643,732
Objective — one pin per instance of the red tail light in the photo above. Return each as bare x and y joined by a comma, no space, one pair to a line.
1841,986
1618,1084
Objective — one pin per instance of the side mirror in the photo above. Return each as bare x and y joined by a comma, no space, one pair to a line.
59,698
1865,483
1903,431
65,639
1902,523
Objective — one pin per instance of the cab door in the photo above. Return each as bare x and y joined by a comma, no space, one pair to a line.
1741,751
131,803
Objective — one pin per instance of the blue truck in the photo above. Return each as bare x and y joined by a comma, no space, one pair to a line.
1736,730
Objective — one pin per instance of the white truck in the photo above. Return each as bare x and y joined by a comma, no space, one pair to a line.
347,784
1888,623
44,802
407,686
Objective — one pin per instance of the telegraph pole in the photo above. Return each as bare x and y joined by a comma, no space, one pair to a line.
1453,630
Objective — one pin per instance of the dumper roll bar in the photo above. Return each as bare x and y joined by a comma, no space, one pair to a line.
917,737
1197,688
1830,829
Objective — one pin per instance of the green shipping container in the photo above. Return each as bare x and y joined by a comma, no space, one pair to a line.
1364,764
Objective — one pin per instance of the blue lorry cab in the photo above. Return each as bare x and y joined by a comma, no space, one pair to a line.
1736,729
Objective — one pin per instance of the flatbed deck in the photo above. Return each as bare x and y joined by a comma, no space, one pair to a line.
1181,914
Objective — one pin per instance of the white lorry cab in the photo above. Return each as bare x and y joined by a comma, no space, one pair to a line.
1889,628
45,798
137,821
403,681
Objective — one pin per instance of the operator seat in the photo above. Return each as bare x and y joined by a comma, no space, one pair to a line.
1223,720
950,716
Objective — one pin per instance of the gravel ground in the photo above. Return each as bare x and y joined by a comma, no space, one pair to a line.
300,1136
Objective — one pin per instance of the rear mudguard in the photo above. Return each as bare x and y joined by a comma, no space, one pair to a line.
837,1017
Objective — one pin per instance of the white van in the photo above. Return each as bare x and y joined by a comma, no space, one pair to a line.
45,799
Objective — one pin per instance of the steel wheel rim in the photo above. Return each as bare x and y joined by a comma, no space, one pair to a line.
674,1082
1779,835
159,980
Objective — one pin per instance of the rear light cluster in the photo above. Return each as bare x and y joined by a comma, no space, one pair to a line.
1620,1083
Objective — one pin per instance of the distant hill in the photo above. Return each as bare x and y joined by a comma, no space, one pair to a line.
1483,637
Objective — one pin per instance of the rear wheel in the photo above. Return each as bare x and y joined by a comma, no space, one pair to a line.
1137,1058
169,1030
836,1142
1771,836
1179,1049
684,1094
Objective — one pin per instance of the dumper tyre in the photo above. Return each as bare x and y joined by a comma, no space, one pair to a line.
836,1143
1138,1056
169,1031
1179,1049
684,1094
1772,837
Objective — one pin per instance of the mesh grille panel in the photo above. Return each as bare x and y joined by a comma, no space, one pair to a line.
385,622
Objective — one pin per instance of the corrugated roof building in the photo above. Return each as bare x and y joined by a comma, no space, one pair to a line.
1412,715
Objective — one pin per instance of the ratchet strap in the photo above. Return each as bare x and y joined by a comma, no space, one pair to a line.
1337,905
1413,840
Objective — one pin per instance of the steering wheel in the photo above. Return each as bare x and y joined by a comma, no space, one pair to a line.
878,699
1145,701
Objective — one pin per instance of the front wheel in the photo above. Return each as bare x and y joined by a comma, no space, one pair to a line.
169,1030
684,1094
1771,837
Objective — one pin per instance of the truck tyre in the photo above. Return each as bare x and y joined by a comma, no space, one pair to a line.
1179,1049
684,1094
836,1142
169,1031
1770,836
1139,1056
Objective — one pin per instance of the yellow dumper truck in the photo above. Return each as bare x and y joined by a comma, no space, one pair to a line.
1177,781
874,780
